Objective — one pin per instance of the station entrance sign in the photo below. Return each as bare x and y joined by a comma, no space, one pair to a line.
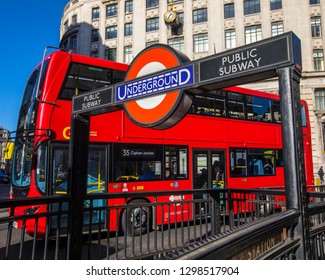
157,100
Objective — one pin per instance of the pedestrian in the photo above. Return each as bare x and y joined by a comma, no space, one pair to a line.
321,174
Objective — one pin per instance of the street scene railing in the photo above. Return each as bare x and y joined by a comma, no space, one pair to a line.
223,223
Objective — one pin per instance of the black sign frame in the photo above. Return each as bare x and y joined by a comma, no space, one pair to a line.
255,61
267,52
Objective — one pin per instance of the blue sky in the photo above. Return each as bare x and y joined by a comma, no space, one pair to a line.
27,27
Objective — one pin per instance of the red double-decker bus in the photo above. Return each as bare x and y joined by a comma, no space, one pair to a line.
230,138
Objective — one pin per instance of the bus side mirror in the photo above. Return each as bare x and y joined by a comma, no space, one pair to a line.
9,150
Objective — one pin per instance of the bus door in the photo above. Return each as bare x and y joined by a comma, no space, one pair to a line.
97,178
208,173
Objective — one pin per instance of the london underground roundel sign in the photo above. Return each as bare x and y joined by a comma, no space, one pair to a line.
158,110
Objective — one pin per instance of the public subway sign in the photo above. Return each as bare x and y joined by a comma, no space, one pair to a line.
156,84
94,100
260,58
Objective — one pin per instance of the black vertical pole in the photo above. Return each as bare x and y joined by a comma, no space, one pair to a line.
293,153
78,165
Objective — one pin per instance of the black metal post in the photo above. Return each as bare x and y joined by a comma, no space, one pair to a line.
78,165
293,153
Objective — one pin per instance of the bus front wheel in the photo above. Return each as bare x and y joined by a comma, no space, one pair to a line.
136,219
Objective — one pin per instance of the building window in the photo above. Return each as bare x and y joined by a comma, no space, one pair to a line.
66,26
277,28
128,54
200,15
313,2
318,57
316,30
320,99
110,54
94,54
253,34
111,10
200,43
64,45
251,7
152,24
230,38
128,6
74,20
152,3
94,35
95,13
111,32
173,1
275,4
73,43
177,44
229,10
128,29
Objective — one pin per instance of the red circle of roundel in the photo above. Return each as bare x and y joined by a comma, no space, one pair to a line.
154,110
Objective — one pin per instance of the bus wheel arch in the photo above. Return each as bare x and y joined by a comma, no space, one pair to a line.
136,220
